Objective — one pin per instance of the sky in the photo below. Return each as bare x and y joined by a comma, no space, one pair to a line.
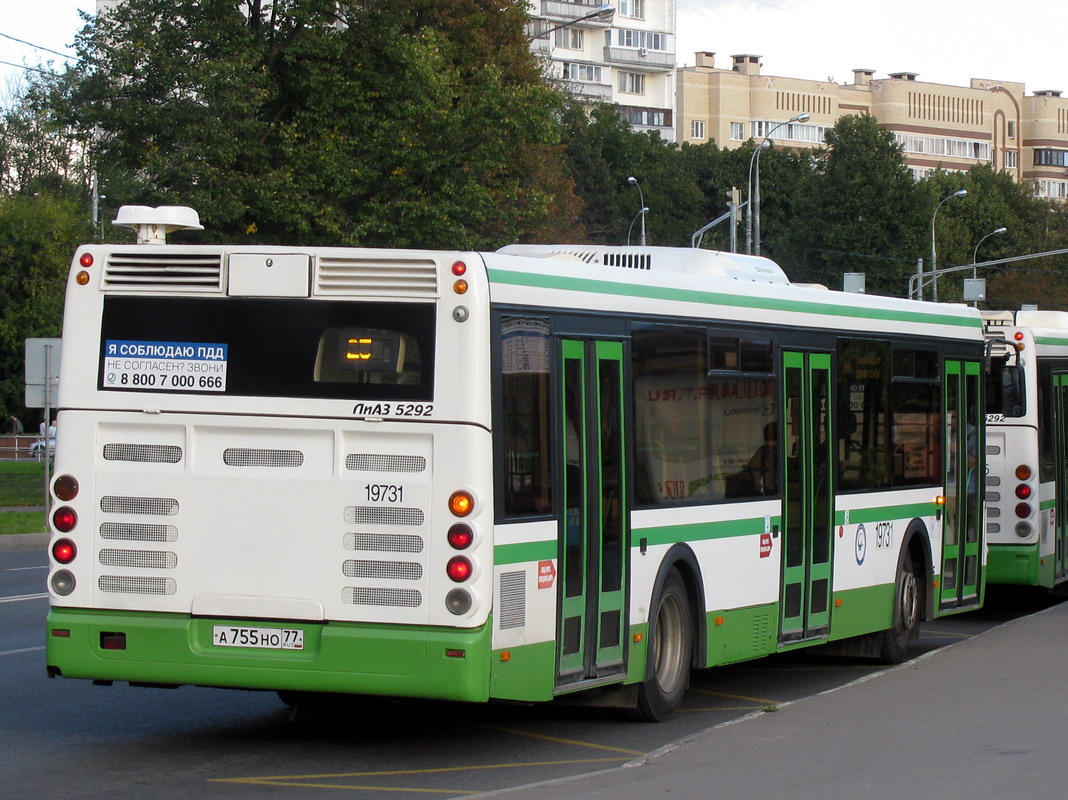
943,41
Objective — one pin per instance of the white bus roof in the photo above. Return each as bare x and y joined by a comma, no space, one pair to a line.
690,260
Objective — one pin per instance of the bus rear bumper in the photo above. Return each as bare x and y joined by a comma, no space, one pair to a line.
176,649
1016,565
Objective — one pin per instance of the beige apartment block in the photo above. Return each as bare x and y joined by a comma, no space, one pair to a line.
939,126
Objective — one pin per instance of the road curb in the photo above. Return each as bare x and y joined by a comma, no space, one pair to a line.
24,541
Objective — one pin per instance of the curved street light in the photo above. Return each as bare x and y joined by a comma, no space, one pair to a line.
752,209
644,209
603,13
975,252
934,255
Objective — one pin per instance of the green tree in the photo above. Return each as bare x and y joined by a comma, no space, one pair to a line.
862,212
366,122
38,235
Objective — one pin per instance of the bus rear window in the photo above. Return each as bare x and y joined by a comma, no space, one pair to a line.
268,347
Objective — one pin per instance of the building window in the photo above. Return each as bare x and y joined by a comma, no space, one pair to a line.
632,8
943,146
570,38
649,117
1051,158
697,129
632,82
647,39
587,73
794,132
1011,159
1012,129
737,131
1053,190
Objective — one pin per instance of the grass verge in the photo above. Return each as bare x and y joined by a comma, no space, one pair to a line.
22,522
21,483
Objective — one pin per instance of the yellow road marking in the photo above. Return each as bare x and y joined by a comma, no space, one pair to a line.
720,708
558,739
763,701
308,781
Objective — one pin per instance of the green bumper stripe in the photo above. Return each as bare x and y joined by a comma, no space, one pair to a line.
176,649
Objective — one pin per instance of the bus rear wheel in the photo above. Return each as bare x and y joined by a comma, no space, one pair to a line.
667,674
908,612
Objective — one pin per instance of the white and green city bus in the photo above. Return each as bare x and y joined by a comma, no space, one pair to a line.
542,472
1027,447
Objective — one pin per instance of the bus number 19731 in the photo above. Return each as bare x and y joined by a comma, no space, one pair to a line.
384,493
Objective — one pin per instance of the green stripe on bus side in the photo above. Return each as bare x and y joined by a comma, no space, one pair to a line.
1055,341
883,513
1046,505
524,551
721,298
700,531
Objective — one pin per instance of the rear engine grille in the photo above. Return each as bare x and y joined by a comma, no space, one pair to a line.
139,559
372,277
158,506
363,596
364,462
373,515
136,532
122,584
145,453
513,600
385,570
384,542
246,457
146,272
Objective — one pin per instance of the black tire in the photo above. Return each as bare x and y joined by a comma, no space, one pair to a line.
667,671
908,613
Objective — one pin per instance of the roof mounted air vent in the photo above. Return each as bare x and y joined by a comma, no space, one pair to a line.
153,224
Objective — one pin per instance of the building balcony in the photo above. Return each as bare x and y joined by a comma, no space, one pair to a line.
597,92
566,11
639,58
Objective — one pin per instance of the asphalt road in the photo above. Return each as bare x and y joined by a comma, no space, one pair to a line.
62,738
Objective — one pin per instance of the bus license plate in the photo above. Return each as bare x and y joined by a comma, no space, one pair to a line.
264,638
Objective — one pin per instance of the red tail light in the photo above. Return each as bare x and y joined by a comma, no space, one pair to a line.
1023,491
64,551
64,519
461,536
459,569
65,488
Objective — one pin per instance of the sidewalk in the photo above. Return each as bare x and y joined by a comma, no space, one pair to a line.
984,718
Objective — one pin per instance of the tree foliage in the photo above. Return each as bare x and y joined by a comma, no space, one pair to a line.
374,122
38,234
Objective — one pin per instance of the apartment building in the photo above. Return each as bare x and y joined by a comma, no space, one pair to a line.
626,58
939,126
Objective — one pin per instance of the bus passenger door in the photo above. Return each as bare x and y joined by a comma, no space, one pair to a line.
1060,452
963,467
594,534
808,496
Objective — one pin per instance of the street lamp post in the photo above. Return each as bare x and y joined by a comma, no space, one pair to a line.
752,210
934,254
975,255
641,198
602,13
975,252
